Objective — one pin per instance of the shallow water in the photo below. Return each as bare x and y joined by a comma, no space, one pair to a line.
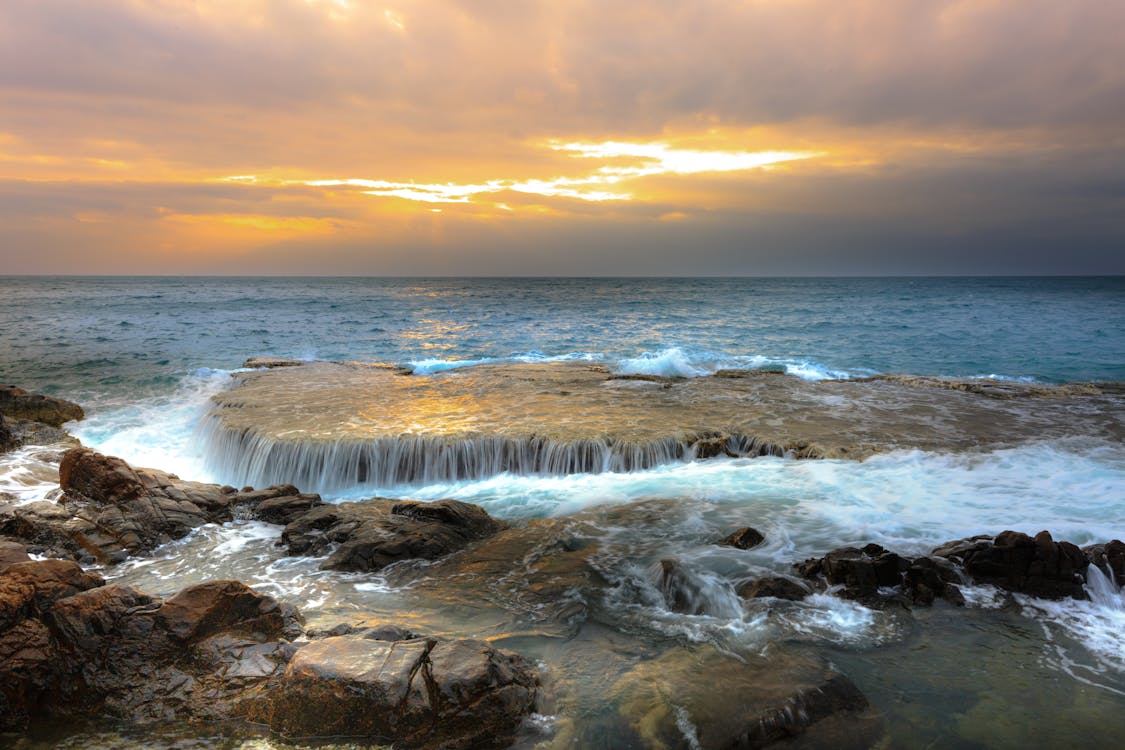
577,587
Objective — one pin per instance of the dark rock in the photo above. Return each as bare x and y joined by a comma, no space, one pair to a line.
1014,561
28,589
744,538
930,577
280,505
777,587
420,693
20,404
783,700
862,572
377,533
8,441
1109,557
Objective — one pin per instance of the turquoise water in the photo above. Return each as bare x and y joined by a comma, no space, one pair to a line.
99,340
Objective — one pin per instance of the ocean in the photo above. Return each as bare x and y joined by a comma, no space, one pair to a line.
145,356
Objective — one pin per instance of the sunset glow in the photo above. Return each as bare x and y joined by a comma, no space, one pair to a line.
762,131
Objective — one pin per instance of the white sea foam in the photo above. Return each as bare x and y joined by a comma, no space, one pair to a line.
158,432
676,362
908,500
30,473
436,365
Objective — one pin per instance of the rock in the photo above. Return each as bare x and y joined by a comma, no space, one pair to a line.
281,504
420,693
862,572
744,538
930,577
20,404
8,441
375,534
72,647
1109,557
110,510
777,587
224,606
1014,561
270,363
12,552
719,701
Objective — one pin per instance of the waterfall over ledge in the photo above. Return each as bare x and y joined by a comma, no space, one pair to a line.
327,427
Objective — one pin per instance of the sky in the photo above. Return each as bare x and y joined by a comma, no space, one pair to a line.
568,137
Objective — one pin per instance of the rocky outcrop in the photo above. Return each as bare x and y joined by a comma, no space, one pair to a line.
371,535
110,510
419,693
72,647
702,698
1038,565
269,363
19,404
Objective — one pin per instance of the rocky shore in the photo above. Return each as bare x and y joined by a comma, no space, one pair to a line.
76,648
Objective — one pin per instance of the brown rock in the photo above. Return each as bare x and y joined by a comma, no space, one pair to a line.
20,404
222,606
419,693
862,572
12,552
374,534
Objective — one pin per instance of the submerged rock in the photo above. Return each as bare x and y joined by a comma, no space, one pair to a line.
376,533
33,407
703,698
420,693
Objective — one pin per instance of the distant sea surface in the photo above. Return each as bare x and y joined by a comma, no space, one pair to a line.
99,340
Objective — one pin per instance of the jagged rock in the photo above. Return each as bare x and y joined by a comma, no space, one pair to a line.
1014,561
783,700
224,606
375,534
930,577
421,693
861,571
777,587
744,538
20,404
71,646
375,633
111,510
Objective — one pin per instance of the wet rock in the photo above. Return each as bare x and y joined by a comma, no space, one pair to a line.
862,572
281,504
1109,557
17,403
375,534
270,363
744,538
420,693
706,699
225,606
777,587
930,577
8,441
73,647
110,509
1038,565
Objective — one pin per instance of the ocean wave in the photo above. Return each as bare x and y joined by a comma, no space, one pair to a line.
677,362
436,365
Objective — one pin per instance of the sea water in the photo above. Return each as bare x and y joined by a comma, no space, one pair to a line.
144,356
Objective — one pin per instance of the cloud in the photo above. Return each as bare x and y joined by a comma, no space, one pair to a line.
554,124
